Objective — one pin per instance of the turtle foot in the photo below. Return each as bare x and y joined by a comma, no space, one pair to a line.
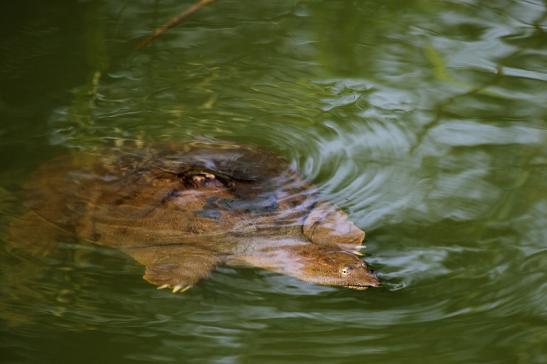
178,288
177,268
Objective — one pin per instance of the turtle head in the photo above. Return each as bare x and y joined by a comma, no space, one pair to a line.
334,268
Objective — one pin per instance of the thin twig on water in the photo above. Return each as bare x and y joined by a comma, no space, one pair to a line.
174,22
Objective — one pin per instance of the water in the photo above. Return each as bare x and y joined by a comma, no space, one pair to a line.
424,120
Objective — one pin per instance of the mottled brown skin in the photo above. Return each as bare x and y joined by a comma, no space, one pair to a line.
183,210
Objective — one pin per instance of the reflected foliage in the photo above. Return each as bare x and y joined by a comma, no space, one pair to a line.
424,120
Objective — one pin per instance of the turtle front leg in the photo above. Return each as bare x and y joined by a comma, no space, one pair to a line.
174,267
328,225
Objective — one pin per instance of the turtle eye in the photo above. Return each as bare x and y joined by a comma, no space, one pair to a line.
346,270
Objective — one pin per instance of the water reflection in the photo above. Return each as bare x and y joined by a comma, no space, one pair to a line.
425,121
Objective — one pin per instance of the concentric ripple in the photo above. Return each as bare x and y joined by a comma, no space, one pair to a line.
425,121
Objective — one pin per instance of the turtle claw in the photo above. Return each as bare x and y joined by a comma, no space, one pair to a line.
177,288
185,289
180,288
357,252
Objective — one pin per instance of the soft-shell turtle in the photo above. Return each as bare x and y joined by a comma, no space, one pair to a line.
183,210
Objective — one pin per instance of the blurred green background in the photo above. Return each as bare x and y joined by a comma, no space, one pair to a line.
425,120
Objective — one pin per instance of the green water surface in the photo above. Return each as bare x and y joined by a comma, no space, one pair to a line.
425,120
